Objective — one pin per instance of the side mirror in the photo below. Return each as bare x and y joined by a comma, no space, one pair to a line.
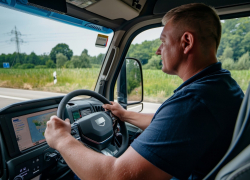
130,83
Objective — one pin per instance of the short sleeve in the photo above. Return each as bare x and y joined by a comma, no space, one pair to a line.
180,133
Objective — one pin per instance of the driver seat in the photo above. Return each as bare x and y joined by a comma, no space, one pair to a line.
236,162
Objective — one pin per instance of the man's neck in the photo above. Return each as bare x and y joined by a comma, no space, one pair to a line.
193,66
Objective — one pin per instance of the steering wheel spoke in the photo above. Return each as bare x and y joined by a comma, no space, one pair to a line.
111,150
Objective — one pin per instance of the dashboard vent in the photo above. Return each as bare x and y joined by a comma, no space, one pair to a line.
93,26
98,108
71,104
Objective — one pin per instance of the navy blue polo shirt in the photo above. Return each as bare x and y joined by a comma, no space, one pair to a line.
192,130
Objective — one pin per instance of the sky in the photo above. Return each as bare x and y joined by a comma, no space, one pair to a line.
150,34
40,35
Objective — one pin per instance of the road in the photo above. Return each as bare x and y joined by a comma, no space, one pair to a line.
10,96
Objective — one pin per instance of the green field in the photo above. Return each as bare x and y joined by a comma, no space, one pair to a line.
42,79
157,85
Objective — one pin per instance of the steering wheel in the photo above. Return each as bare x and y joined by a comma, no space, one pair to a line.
97,130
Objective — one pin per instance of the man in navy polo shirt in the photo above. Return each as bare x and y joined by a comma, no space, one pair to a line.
191,131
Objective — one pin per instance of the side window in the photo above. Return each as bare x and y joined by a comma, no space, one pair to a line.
233,53
234,49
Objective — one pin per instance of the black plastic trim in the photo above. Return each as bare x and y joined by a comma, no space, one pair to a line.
235,15
163,6
31,104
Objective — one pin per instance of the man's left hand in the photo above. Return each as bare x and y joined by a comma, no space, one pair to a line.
57,130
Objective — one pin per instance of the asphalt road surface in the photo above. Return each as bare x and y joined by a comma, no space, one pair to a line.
9,96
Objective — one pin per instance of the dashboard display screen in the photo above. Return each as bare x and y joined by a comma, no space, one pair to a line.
76,115
30,128
85,112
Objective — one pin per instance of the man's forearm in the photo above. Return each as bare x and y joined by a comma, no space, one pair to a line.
90,165
141,120
86,163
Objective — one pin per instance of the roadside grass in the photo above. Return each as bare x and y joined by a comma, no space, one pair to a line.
242,77
42,79
158,86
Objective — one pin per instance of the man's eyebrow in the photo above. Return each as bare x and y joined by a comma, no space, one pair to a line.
162,37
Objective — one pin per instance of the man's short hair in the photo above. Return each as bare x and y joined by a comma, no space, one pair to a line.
199,17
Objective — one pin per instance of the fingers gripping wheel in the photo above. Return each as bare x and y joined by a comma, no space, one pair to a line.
96,129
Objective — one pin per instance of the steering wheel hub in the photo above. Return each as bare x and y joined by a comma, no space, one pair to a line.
96,129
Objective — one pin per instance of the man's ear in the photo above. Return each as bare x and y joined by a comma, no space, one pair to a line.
187,42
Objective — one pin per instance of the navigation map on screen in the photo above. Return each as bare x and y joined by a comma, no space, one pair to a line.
30,128
37,126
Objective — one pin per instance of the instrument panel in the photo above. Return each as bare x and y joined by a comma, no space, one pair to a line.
25,152
80,113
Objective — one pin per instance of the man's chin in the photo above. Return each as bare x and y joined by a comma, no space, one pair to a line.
167,71
164,70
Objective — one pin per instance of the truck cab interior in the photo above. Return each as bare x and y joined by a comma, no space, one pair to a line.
125,19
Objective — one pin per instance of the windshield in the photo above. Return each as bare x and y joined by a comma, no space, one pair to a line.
41,54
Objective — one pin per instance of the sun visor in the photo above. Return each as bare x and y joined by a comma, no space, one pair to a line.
82,3
163,6
57,5
54,14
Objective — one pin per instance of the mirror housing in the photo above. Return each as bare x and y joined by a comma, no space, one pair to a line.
130,82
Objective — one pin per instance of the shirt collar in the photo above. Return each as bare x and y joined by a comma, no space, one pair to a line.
208,70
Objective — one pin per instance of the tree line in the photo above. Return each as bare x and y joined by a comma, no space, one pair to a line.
233,51
61,56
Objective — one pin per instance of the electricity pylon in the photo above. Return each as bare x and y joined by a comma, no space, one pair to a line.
17,39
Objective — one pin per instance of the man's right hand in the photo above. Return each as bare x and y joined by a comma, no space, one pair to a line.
116,109
140,120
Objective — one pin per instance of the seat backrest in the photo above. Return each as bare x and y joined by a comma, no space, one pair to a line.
237,168
241,136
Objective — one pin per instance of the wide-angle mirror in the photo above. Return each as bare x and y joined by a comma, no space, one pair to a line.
130,83
134,81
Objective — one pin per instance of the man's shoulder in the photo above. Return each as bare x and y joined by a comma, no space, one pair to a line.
215,91
219,83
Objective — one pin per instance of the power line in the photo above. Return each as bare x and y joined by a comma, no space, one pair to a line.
57,33
3,41
1,45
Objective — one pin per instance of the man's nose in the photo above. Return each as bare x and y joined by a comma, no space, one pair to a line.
158,52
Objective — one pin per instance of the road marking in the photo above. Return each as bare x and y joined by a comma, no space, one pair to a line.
156,104
152,103
134,107
11,97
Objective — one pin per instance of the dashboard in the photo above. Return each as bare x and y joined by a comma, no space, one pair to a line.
24,151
